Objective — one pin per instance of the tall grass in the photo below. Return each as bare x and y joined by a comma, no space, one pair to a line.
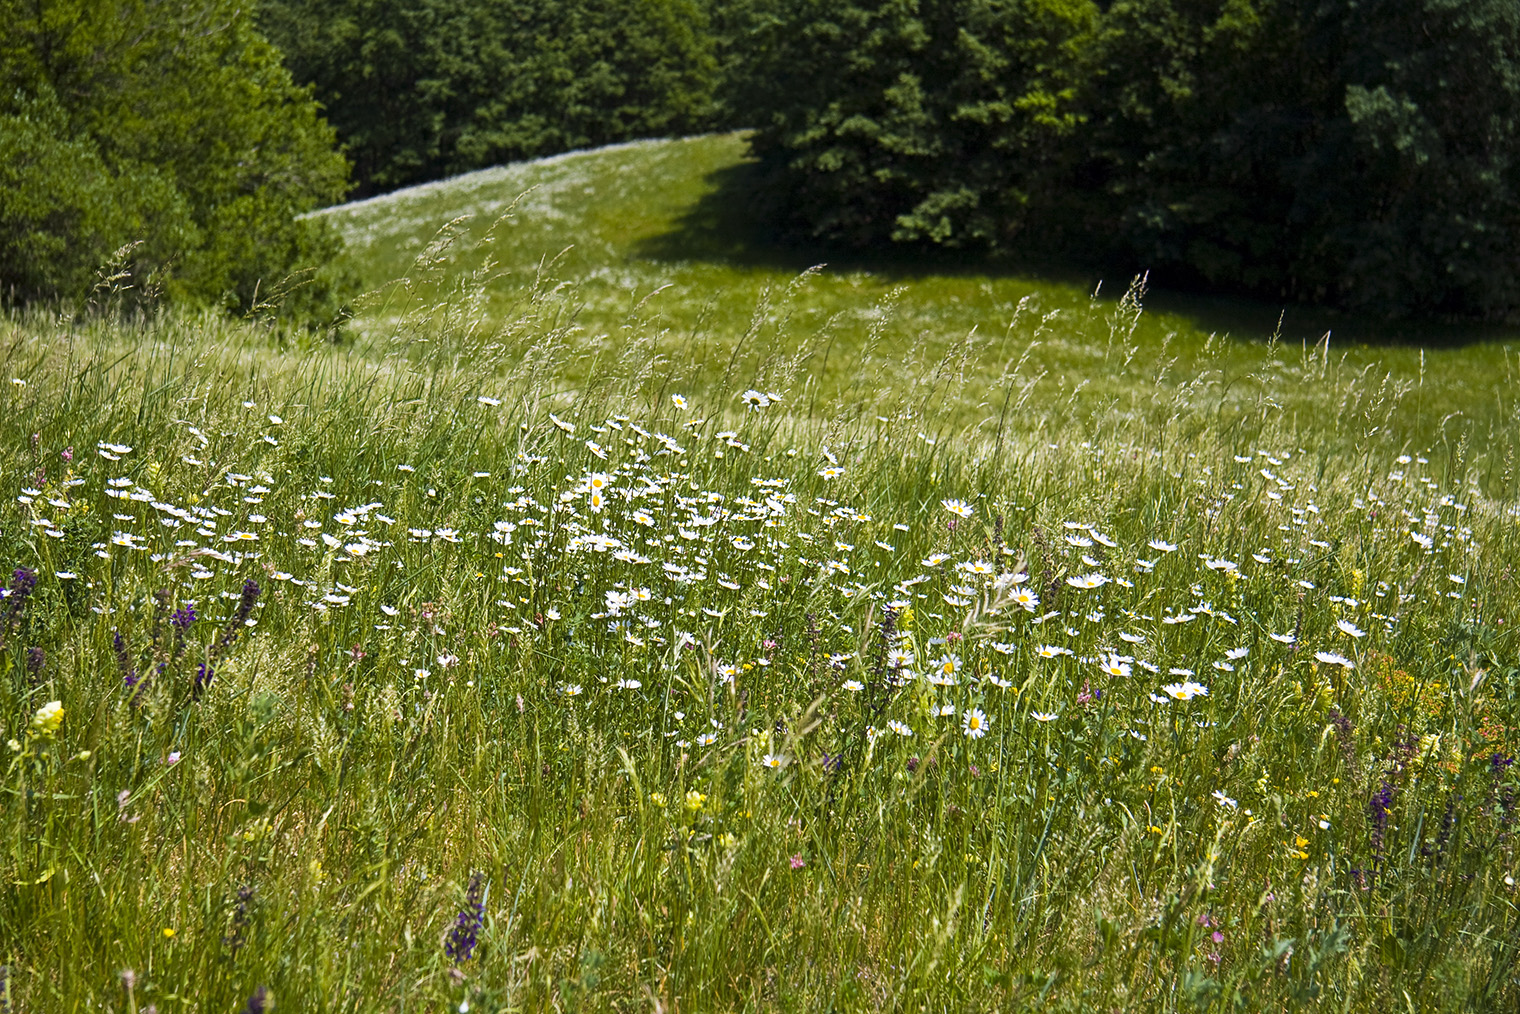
531,672
658,239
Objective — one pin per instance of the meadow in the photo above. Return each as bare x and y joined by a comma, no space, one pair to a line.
658,242
784,649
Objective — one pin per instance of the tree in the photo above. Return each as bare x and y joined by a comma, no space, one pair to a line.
1357,152
170,125
426,88
922,121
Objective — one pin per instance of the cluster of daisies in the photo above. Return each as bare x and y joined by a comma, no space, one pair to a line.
656,551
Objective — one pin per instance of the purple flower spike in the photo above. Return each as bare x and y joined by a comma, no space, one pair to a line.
23,581
239,620
203,675
129,678
258,1003
466,932
1379,809
246,602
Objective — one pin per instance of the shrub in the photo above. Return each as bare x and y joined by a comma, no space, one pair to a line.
422,90
1358,152
918,122
173,127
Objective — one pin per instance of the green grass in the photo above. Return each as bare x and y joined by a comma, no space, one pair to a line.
652,239
435,688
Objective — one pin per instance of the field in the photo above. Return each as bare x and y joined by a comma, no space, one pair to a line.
763,642
650,241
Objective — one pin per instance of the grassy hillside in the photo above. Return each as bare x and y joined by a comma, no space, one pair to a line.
474,665
652,238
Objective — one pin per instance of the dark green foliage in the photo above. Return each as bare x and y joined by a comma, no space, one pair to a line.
914,120
1354,152
1360,153
170,126
63,212
422,90
739,30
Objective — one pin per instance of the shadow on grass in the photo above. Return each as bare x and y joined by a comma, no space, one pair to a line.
729,225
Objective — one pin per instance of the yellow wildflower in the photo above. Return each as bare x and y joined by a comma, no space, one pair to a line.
48,718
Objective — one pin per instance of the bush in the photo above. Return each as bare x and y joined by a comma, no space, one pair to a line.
1359,153
62,211
422,90
931,121
169,126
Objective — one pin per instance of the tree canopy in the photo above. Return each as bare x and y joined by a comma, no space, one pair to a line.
1355,152
170,130
914,120
424,89
1358,152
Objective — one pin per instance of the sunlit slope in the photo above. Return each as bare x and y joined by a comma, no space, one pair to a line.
653,246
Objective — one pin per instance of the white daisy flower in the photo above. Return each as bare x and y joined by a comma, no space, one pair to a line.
1114,666
974,723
